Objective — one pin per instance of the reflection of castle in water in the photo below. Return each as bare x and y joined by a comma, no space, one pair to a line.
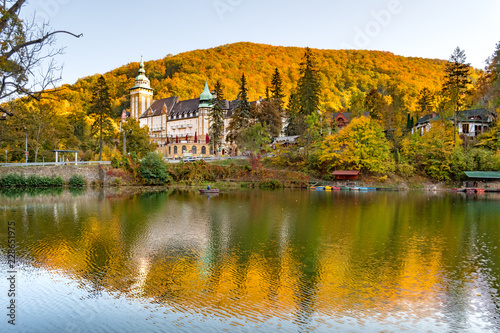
242,257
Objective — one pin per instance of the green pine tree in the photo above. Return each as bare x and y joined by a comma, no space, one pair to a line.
243,107
456,80
425,101
494,69
309,86
217,117
296,122
241,115
277,85
101,107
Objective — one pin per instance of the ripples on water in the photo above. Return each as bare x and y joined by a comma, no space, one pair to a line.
257,261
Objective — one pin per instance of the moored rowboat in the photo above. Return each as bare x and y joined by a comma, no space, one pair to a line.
212,190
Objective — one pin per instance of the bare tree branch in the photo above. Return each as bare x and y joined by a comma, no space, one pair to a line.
38,41
27,66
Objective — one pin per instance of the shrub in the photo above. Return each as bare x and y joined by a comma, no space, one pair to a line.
59,181
406,169
382,179
271,184
15,180
153,170
76,181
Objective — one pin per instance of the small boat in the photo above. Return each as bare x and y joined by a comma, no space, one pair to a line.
459,190
332,188
320,188
212,190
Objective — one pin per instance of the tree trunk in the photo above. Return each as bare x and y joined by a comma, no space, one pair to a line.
100,138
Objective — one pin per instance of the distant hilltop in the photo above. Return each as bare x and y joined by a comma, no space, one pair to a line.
343,73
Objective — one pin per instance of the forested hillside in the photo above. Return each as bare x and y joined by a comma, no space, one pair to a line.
391,88
343,73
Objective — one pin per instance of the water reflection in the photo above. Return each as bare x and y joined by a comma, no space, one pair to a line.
260,260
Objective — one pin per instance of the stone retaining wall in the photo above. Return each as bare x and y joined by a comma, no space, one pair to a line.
93,174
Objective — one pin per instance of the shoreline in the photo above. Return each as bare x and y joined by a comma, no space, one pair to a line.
265,178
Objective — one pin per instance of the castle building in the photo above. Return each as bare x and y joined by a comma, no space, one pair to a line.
176,127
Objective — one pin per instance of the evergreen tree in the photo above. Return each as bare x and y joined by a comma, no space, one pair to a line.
243,107
277,86
269,112
425,101
486,91
217,117
296,123
101,107
456,80
241,115
308,85
494,70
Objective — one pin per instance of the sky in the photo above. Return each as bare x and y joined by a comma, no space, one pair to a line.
116,33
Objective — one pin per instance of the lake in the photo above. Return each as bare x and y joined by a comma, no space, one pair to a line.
251,261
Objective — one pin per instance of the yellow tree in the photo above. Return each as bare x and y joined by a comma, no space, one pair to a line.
432,152
361,146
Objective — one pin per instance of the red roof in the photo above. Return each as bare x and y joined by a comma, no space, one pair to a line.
346,173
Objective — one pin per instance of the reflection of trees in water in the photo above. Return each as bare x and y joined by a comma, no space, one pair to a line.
13,192
281,253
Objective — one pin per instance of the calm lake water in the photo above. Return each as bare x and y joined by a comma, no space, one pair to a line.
253,261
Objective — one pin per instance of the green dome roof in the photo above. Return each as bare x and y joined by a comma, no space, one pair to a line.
206,97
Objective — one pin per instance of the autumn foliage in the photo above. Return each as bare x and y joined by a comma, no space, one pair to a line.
360,146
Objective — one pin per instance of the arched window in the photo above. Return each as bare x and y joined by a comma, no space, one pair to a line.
194,149
169,150
184,149
203,150
175,149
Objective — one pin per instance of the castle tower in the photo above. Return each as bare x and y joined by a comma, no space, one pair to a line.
141,94
204,110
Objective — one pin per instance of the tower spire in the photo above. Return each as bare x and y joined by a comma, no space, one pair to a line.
141,67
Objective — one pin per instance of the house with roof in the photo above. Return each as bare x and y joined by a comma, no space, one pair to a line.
424,123
341,119
470,123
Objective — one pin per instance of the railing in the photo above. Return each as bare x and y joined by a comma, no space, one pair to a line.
54,163
207,159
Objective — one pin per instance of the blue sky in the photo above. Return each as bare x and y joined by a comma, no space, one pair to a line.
116,32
